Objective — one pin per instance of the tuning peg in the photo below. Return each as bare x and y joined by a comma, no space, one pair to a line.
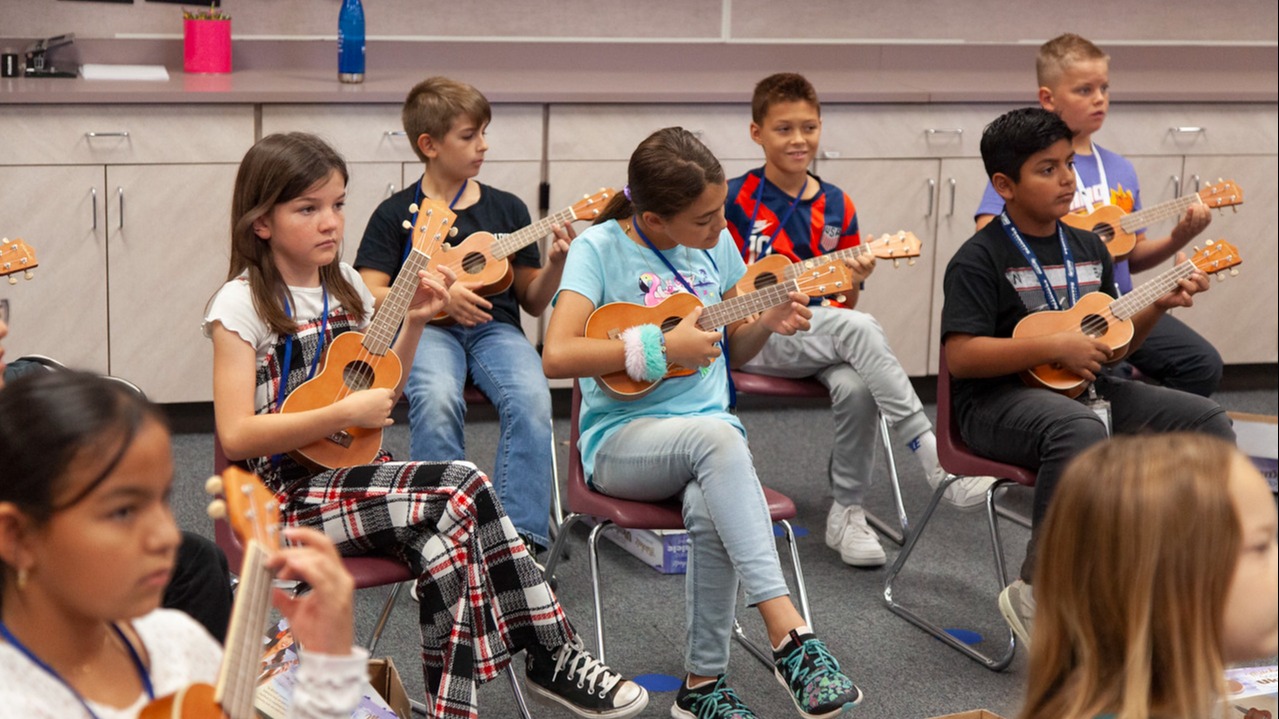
407,225
1234,272
213,485
216,509
413,207
910,262
896,263
826,303
841,298
452,232
446,247
13,280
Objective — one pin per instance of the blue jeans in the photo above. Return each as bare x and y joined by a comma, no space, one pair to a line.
729,530
506,368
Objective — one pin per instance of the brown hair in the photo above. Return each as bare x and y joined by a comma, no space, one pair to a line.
1136,558
782,87
1058,53
433,105
278,169
667,172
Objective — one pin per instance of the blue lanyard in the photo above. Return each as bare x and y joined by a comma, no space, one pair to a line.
767,247
417,200
1072,278
723,343
133,654
288,348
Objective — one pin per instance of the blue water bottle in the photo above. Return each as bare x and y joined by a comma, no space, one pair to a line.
351,42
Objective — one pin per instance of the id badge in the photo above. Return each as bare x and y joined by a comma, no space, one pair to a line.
1100,405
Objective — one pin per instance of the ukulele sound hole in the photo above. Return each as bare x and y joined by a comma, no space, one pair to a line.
765,279
1105,231
1094,326
669,323
474,263
358,375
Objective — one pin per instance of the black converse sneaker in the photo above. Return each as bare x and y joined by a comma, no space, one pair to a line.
712,700
579,682
812,676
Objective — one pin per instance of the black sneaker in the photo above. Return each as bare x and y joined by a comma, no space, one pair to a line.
577,681
817,686
713,700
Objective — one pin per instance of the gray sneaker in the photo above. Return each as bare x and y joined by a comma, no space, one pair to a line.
1017,604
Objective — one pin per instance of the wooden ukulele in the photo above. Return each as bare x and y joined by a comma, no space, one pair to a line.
357,361
1102,317
610,320
16,256
1118,229
771,269
254,514
482,257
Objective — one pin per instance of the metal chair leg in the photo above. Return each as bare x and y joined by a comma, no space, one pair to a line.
896,534
801,588
593,545
517,692
375,634
557,504
995,663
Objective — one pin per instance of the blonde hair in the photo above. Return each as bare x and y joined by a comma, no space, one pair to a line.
1059,53
433,105
1136,558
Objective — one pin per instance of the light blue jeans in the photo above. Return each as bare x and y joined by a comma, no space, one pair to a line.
730,534
506,368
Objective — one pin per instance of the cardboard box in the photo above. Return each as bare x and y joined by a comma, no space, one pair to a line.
974,714
665,550
1257,435
1253,692
385,678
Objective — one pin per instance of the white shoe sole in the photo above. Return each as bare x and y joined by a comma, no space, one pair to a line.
542,695
1014,621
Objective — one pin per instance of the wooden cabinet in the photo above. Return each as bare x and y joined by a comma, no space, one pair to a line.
128,208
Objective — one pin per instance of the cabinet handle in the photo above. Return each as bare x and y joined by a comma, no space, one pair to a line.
390,189
932,193
121,133
93,192
1176,185
952,183
944,131
120,194
396,133
831,154
1187,130
1196,178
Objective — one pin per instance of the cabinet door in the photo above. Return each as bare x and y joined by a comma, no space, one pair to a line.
62,311
168,229
370,184
1238,314
959,189
892,195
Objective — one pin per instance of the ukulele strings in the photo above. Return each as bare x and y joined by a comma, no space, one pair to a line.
1096,324
507,245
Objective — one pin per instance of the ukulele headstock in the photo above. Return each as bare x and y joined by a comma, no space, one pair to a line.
1216,257
825,279
434,224
590,206
1222,193
898,246
248,506
16,256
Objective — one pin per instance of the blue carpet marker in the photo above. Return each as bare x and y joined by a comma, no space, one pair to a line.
658,682
799,531
967,636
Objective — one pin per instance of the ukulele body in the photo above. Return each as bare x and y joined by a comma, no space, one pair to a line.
193,702
474,262
609,321
348,367
1092,308
1104,222
764,272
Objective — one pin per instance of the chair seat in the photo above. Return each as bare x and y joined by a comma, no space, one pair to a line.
960,461
750,383
652,515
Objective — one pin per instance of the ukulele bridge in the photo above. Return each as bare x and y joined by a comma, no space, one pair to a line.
341,438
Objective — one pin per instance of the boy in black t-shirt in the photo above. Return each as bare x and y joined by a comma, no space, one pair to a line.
1021,263
446,121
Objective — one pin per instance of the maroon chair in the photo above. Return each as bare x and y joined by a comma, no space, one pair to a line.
764,385
959,461
610,512
368,572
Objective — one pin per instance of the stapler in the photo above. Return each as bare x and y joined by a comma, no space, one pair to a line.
37,60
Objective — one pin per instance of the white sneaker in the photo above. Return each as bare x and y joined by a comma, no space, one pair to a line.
1017,605
848,534
966,493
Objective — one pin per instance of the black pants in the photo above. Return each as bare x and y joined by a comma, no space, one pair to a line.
1178,357
201,585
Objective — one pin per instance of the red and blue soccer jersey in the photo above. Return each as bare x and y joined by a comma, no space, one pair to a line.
756,207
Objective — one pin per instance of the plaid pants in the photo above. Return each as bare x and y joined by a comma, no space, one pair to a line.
481,596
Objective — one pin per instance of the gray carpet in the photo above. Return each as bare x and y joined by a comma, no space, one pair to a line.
905,673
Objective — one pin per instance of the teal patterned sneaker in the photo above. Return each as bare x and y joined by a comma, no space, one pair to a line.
712,700
812,676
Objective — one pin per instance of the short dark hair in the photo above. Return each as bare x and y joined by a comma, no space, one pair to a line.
782,87
1014,136
668,171
435,103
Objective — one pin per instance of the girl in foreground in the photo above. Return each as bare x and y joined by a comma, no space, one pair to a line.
666,234
88,543
1159,567
482,598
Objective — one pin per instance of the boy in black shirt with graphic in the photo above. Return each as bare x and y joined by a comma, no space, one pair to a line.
1026,261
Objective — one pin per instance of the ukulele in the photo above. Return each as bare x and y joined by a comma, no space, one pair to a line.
482,257
771,269
357,361
610,320
1118,229
1102,317
253,513
16,256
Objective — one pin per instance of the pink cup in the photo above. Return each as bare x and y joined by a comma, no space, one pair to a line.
206,46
